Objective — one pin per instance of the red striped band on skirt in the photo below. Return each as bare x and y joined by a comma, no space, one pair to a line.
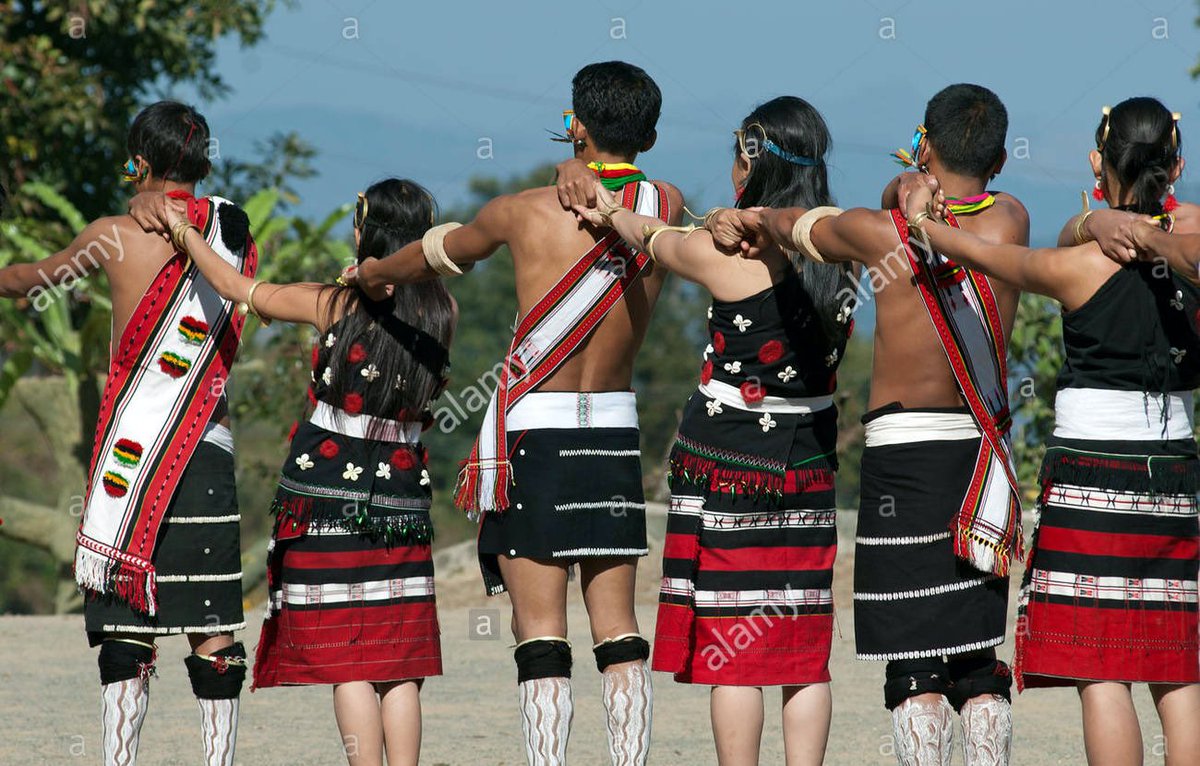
347,608
1110,592
746,597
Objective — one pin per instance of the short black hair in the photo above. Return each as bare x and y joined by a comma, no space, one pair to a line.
967,125
173,138
618,103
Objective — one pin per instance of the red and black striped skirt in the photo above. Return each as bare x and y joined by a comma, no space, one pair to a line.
747,595
1110,590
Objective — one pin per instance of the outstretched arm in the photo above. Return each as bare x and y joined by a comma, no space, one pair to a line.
1180,251
99,242
305,302
1053,272
690,254
465,246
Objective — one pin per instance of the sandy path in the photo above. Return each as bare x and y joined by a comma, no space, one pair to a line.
49,699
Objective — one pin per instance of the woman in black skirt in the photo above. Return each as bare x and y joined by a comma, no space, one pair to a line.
350,570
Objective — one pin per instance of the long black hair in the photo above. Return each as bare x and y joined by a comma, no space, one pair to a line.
405,336
1140,143
796,127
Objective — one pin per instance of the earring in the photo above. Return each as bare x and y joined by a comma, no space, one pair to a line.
1098,193
1171,204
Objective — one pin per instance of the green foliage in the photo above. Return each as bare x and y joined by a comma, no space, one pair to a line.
1035,357
74,74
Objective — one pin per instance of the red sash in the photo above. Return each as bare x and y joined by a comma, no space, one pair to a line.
961,304
166,376
558,325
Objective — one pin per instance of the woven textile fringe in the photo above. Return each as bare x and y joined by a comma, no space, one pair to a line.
295,513
98,575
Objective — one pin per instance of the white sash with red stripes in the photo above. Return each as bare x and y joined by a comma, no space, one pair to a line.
558,325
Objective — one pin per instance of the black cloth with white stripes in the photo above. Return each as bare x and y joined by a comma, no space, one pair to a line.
197,560
912,596
578,494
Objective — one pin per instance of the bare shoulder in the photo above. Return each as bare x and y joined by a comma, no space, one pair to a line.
1187,219
1007,221
674,196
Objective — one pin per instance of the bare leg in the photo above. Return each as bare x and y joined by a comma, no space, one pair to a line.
400,707
356,708
737,723
538,591
1111,734
1179,710
806,714
923,728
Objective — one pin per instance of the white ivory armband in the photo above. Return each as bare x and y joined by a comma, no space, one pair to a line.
433,245
802,231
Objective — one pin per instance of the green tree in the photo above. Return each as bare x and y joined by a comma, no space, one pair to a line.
75,73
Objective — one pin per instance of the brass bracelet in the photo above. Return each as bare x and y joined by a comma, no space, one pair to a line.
919,219
179,233
607,210
1081,236
248,306
650,233
709,216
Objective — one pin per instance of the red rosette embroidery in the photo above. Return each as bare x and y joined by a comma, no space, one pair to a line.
403,460
706,371
328,449
357,354
353,403
752,391
718,343
771,352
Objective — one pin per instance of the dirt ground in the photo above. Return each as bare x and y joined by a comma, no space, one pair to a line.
49,697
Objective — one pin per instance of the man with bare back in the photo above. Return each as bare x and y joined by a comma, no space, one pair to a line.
158,549
556,470
939,520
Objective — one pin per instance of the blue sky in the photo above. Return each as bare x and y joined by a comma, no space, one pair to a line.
417,89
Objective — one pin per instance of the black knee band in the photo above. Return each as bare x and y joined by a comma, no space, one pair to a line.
911,678
121,661
625,649
221,677
976,676
543,658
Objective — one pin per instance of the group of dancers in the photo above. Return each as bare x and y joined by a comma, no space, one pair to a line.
1109,596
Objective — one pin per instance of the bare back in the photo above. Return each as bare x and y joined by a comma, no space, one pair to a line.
132,258
546,241
910,365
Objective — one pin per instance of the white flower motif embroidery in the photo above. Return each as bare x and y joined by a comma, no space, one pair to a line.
330,339
424,477
305,462
1177,301
371,373
400,382
713,407
384,471
844,314
710,312
327,376
352,472
832,358
787,373
708,350
1178,354
767,422
742,323
733,367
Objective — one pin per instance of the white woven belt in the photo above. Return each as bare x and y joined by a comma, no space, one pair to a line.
779,405
364,426
573,409
1096,413
914,427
